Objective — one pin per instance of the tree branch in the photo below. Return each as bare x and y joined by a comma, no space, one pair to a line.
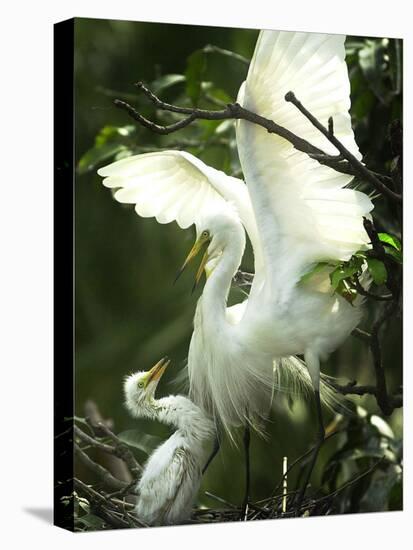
120,449
386,402
123,451
357,286
344,162
361,170
351,388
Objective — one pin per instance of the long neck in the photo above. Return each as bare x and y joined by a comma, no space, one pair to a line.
181,413
216,290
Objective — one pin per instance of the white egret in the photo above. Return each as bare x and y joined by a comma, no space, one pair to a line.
172,474
296,213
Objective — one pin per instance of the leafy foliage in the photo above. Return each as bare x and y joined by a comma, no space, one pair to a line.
367,448
111,143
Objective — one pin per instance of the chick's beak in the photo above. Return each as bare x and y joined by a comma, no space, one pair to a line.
155,373
199,243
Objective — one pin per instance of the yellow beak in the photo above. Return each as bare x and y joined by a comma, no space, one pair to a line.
155,373
201,267
199,243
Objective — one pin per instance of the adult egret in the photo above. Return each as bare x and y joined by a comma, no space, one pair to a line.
172,474
295,211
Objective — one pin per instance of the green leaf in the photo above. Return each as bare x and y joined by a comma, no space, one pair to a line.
96,155
195,69
321,266
377,270
166,81
391,240
144,442
342,272
109,133
210,48
217,95
209,127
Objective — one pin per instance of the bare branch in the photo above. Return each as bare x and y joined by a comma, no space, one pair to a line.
360,169
110,511
93,442
120,449
357,286
106,477
344,162
123,451
386,402
362,335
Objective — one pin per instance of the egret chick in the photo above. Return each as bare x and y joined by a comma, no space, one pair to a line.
172,475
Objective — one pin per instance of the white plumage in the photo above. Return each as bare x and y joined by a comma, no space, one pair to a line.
172,475
295,211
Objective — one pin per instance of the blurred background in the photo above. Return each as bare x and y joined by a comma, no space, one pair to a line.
128,312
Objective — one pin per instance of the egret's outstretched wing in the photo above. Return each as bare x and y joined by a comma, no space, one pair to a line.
303,212
176,186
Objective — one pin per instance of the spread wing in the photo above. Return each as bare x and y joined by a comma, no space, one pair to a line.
304,212
176,186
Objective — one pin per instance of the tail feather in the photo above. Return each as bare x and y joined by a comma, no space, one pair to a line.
291,377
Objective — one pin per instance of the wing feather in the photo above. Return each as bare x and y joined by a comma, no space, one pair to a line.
304,212
176,186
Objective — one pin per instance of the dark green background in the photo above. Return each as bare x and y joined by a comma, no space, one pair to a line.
128,312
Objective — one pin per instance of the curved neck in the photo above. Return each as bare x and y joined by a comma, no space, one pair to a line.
181,413
216,290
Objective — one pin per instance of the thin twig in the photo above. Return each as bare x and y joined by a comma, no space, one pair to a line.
361,334
353,480
92,441
122,451
106,477
300,458
98,505
351,388
220,499
356,285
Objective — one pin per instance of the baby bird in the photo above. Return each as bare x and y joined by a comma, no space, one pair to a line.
172,475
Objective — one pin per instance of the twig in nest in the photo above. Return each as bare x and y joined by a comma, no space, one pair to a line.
106,477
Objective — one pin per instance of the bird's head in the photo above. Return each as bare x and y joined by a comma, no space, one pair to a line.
213,232
139,388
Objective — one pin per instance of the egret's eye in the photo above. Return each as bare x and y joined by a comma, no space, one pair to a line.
205,234
140,385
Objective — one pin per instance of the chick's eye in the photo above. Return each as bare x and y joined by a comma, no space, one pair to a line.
205,234
140,385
